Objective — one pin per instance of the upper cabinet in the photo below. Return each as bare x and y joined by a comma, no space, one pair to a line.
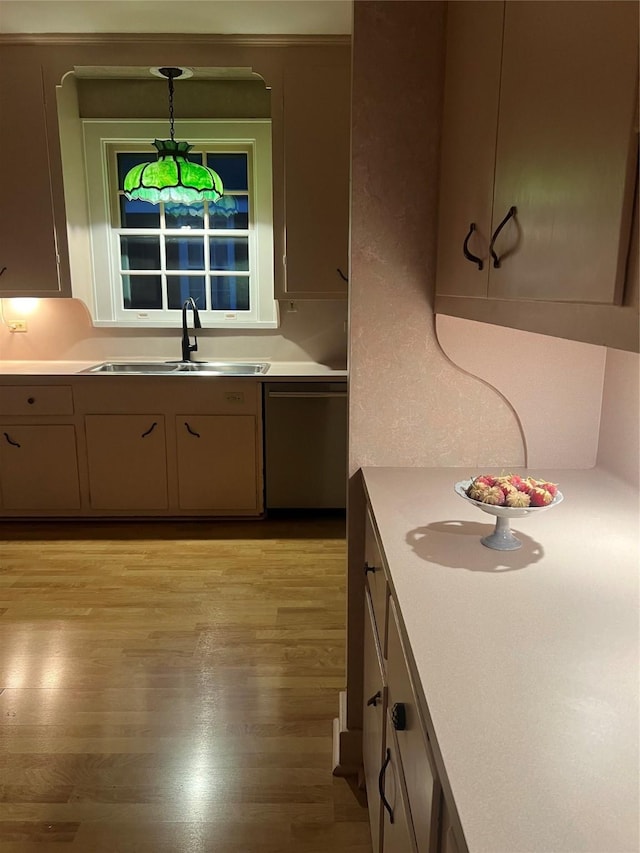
29,256
539,160
317,110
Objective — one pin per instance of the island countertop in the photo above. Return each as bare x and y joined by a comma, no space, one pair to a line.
527,661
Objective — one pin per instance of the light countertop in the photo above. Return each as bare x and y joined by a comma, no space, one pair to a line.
277,369
528,660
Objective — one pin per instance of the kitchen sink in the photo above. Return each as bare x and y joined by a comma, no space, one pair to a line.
203,368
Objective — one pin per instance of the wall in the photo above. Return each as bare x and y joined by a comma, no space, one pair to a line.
62,329
619,446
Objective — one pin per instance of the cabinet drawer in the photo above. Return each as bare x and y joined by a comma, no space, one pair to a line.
377,583
36,400
423,789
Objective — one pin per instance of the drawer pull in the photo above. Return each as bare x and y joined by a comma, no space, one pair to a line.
31,400
191,431
383,770
150,430
2,270
399,716
373,702
368,568
465,248
11,441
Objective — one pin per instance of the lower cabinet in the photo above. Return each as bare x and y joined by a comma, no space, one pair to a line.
407,810
39,467
216,457
127,462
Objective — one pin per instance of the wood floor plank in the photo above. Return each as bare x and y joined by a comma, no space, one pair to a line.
171,688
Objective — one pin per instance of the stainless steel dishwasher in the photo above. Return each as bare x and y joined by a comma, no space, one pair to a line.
305,445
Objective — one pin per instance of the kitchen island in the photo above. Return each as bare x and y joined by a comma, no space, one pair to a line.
524,663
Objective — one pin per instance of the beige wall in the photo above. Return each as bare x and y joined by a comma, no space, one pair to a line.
619,447
62,329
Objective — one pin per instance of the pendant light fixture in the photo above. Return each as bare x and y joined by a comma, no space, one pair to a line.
172,178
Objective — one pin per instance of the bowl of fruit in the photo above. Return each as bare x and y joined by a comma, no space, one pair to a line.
508,496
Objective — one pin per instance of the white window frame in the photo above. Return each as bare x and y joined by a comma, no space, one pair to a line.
102,139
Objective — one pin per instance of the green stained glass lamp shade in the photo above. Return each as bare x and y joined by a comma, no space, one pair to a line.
172,178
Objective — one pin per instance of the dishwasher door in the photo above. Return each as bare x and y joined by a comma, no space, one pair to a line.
305,445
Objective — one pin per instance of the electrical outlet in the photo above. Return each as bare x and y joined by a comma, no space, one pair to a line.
17,325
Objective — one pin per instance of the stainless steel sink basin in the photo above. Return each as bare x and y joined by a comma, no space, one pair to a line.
202,368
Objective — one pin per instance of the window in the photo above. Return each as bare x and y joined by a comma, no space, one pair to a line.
147,259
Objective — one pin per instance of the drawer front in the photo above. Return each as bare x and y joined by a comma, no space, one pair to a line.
376,583
36,400
373,723
423,789
397,834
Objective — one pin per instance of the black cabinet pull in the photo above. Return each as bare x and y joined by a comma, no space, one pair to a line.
373,702
496,259
342,275
150,430
191,431
2,270
31,400
383,770
465,248
11,441
399,716
368,568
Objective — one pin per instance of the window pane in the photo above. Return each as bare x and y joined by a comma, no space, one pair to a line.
181,287
138,214
184,215
231,211
142,291
140,253
232,168
185,253
230,293
229,253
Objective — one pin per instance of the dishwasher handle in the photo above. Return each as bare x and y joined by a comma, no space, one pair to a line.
307,394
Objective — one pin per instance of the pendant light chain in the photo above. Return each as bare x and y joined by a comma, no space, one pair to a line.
171,106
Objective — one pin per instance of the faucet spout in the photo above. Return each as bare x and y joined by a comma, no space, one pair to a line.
188,348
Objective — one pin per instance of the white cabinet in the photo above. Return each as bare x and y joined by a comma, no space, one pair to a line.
317,104
403,790
539,159
29,263
172,446
38,468
38,460
217,462
126,459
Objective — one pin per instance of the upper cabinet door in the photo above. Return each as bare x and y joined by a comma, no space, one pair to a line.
317,110
28,252
567,101
472,89
539,161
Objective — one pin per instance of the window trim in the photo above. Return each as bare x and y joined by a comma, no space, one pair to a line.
102,294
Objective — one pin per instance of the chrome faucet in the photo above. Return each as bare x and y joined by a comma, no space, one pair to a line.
188,348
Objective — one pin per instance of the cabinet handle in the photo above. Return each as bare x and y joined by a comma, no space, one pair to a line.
368,568
399,716
2,270
465,249
150,430
342,275
496,259
31,400
191,431
383,770
11,441
373,702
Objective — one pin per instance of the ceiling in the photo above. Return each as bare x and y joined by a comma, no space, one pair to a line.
304,17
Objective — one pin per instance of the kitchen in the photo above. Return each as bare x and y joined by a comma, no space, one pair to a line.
409,403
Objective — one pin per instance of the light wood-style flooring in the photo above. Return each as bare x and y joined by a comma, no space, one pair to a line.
170,688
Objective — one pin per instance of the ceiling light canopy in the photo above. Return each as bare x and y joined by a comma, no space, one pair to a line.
172,177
